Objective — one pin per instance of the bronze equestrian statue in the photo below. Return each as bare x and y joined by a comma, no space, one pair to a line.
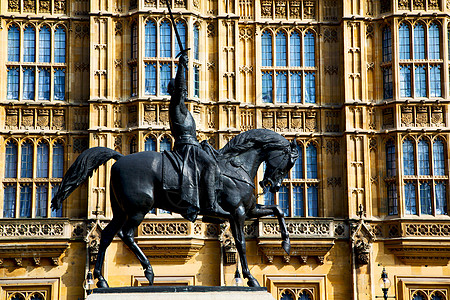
192,180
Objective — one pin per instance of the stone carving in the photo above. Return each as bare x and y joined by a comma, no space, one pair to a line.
80,144
332,121
29,5
118,29
164,114
295,11
333,147
311,121
247,120
267,121
388,117
245,33
180,3
309,10
330,35
36,229
12,118
60,6
330,10
210,29
165,229
150,3
150,113
296,120
298,228
118,143
282,121
212,230
403,4
334,181
330,70
132,116
13,5
228,244
407,116
58,120
266,9
427,230
419,4
422,116
117,116
211,117
280,9
43,118
437,116
80,119
393,231
196,3
339,230
44,6
362,251
27,118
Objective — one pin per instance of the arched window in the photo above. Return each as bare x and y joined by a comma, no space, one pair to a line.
404,41
304,296
9,201
405,81
150,79
267,87
296,50
425,198
196,42
266,45
434,42
424,157
438,158
420,81
26,166
57,213
387,44
13,43
313,208
11,160
441,198
44,44
13,83
310,87
387,83
281,87
60,84
25,201
392,199
165,144
150,144
296,87
41,201
410,198
28,83
165,73
181,28
280,40
58,160
299,204
44,84
419,296
17,296
310,57
29,41
150,39
419,42
390,159
196,82
408,158
42,160
37,296
165,43
311,162
283,200
134,41
287,295
297,170
435,81
60,45
437,296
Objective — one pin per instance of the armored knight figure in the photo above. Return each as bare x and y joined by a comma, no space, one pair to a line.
199,178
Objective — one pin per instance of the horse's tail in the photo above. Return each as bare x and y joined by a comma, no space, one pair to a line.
80,170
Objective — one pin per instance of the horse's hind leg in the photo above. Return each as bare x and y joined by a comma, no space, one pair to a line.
127,236
106,238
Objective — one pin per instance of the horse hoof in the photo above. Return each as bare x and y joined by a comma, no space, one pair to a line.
150,276
102,283
253,283
286,246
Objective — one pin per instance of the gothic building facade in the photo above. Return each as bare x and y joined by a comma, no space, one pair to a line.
362,87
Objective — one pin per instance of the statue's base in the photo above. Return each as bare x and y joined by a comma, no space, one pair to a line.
186,292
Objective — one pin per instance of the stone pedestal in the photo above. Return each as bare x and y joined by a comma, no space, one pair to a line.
181,292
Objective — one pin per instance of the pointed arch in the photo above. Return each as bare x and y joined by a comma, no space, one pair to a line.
13,43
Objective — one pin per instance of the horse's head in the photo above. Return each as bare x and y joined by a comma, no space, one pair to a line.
278,163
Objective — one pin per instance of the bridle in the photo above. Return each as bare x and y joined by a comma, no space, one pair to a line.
268,178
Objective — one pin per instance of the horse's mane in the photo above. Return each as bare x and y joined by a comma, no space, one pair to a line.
267,139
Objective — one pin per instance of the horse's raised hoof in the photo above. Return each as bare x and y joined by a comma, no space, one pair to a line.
252,282
150,276
286,246
101,283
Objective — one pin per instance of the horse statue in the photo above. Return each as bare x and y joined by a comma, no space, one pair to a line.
136,188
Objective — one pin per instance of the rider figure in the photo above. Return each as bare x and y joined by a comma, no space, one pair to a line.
182,126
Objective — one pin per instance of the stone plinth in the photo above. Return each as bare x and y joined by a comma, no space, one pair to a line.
181,292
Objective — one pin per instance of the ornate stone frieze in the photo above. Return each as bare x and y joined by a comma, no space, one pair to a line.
165,229
12,118
13,5
280,9
58,119
247,120
419,4
298,228
59,6
404,4
35,229
44,6
295,10
309,9
388,117
266,9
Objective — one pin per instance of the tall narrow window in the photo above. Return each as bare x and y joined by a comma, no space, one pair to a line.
390,159
28,83
165,43
150,144
150,79
13,43
58,160
60,84
266,45
435,81
283,200
41,201
29,41
410,198
133,81
44,84
408,158
441,198
387,83
134,41
26,166
313,208
434,44
165,144
44,44
280,40
299,204
311,162
196,42
309,50
297,169
57,213
424,158
419,42
11,160
405,81
60,45
296,87
296,50
267,89
165,73
387,44
420,82
392,199
268,199
42,160
281,87
404,41
310,87
181,27
12,92
150,39
9,201
425,198
196,82
25,201
438,158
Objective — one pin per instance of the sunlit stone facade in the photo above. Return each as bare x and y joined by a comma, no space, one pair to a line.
362,86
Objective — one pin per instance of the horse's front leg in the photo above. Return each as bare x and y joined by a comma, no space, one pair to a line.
266,210
237,227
